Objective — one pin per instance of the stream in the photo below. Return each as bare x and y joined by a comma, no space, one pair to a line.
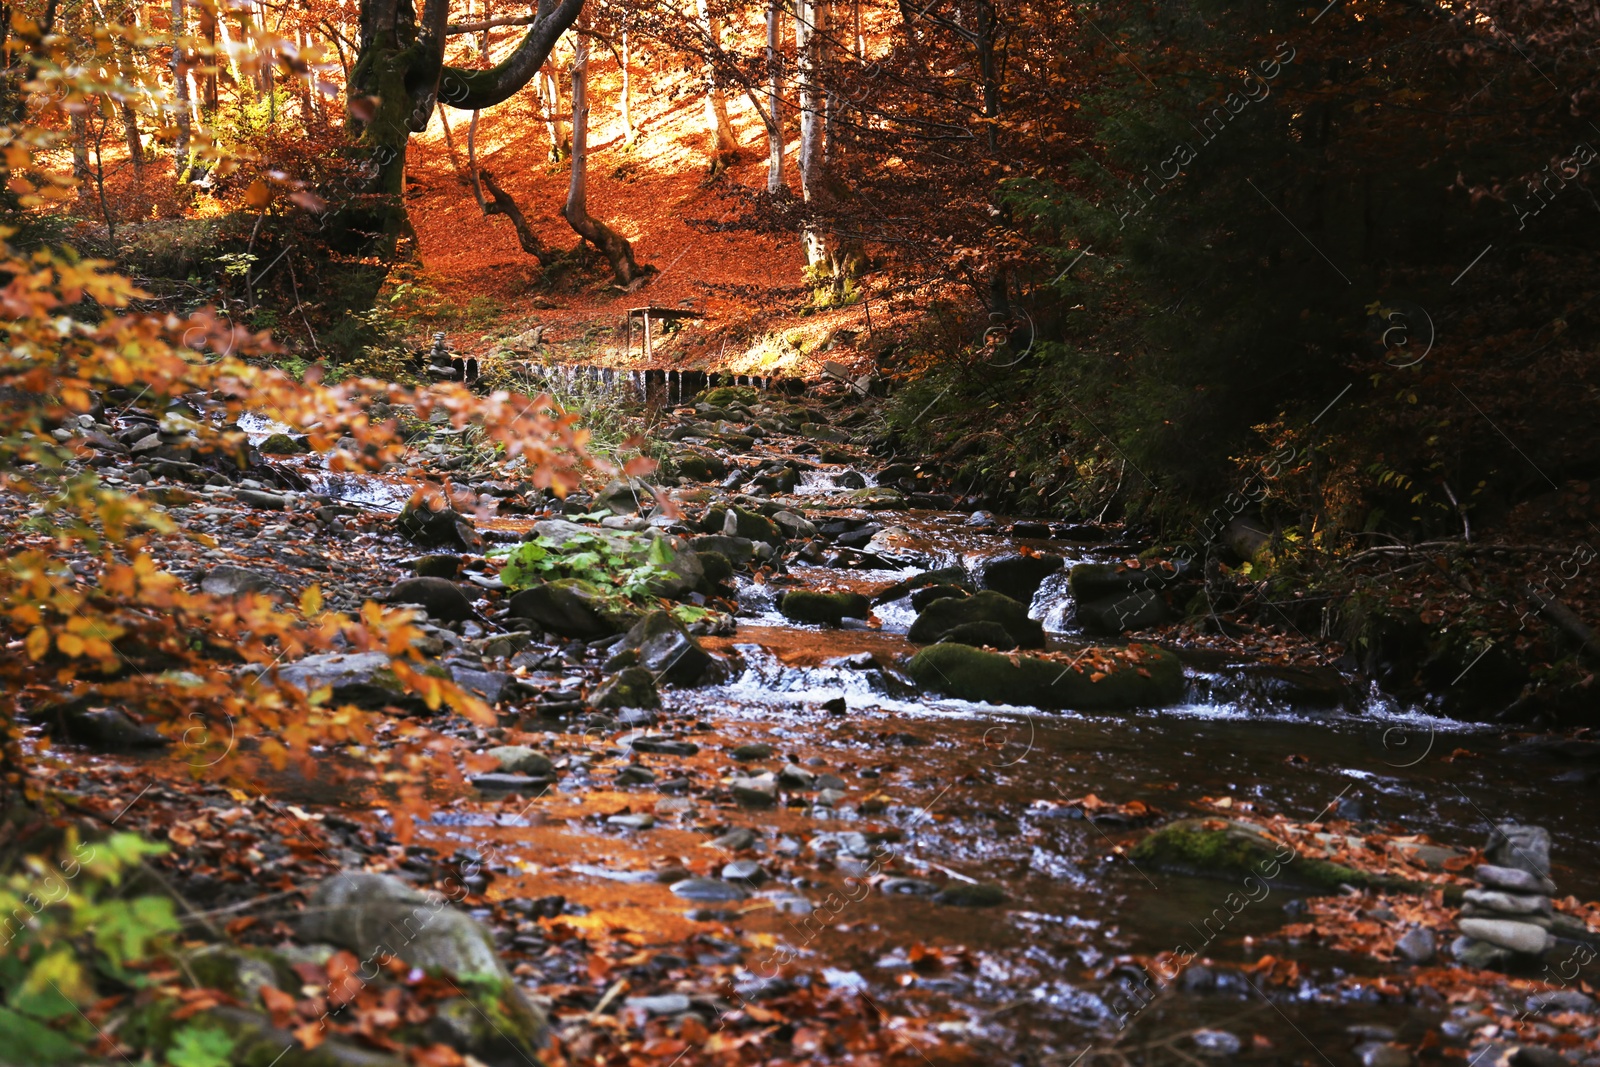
960,792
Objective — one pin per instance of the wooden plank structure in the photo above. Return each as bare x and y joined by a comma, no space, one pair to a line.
660,314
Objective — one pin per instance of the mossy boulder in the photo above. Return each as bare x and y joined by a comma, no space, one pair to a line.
693,465
954,575
1100,680
718,568
443,526
805,605
365,679
944,615
631,687
281,444
1118,614
872,498
573,607
984,634
741,522
667,650
1095,581
1019,574
441,598
1226,848
929,593
724,395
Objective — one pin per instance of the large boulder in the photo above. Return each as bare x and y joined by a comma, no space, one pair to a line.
1121,612
364,679
1019,574
1100,679
739,551
377,916
942,576
806,605
443,599
1223,848
91,721
631,687
667,650
572,607
944,615
682,563
440,525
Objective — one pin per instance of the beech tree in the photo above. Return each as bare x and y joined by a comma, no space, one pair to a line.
397,79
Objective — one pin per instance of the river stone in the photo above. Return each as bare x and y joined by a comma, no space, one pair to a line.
1513,879
916,887
708,890
422,523
106,729
871,498
808,606
760,791
793,776
1118,614
1096,581
632,687
1417,945
718,568
942,616
941,576
437,565
667,650
929,593
741,522
1560,1000
1502,903
443,599
1231,849
1520,937
510,783
1216,1044
632,821
228,580
365,679
747,871
735,840
373,914
970,895
1018,575
281,444
972,674
664,746
794,526
981,634
1525,848
665,1004
1382,1054
571,607
751,752
1479,955
739,551
624,496
520,759
490,685
262,501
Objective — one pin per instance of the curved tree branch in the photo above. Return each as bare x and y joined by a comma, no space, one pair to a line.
471,90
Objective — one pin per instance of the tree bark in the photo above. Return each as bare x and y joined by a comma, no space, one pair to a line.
628,132
721,146
774,115
398,77
808,16
504,205
130,133
616,248
180,82
550,108
80,154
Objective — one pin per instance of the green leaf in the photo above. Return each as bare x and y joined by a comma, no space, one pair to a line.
55,986
201,1046
27,1041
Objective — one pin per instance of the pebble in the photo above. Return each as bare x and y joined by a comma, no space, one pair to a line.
665,1004
1520,937
708,890
908,886
1382,1054
751,752
1561,1000
1507,903
748,871
1218,1044
761,791
1512,879
970,895
1417,945
509,783
736,840
632,822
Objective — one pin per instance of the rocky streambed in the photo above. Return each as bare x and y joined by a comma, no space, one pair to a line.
868,772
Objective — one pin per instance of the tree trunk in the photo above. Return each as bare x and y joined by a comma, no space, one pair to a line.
550,109
808,16
504,205
180,81
208,29
130,132
721,146
397,79
80,154
775,97
989,71
616,248
628,133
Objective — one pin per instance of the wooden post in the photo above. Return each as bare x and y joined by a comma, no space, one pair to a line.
866,305
649,351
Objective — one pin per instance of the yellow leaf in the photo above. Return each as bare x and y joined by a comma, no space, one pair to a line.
259,195
311,600
37,643
70,644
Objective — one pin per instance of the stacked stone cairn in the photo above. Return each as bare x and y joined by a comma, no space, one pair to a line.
1509,916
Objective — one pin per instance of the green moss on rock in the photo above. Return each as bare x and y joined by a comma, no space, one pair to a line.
1139,676
804,605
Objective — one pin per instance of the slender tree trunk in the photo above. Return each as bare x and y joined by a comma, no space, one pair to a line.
504,205
775,133
808,16
80,154
208,28
130,132
628,133
989,71
550,108
180,83
721,146
616,247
